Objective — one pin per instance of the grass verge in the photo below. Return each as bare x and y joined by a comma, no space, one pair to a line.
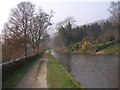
113,50
58,77
102,44
12,80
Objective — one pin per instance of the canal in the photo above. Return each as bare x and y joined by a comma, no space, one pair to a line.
93,71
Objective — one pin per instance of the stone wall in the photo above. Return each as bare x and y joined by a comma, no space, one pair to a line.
14,65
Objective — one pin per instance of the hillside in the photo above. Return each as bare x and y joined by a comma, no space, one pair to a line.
111,50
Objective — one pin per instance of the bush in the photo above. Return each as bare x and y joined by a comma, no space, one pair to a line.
76,46
88,47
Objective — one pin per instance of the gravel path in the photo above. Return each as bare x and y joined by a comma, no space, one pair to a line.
41,81
30,80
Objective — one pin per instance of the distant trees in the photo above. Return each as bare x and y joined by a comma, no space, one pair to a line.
115,15
93,33
70,34
25,27
109,32
57,43
115,12
65,30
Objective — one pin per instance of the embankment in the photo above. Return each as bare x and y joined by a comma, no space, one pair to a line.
58,76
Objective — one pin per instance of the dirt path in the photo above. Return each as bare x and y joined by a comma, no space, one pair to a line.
41,81
30,80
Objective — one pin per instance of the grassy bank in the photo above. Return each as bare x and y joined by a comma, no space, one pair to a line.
108,48
12,80
58,77
112,50
102,44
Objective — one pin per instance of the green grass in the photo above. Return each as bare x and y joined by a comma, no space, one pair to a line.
12,80
58,77
113,50
101,44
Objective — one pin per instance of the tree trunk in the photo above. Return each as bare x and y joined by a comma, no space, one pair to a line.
25,49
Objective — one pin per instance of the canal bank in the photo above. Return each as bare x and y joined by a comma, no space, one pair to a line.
58,76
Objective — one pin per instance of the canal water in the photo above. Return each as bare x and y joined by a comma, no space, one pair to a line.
93,71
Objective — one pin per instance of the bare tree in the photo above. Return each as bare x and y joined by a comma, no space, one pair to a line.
22,16
68,20
38,27
25,27
115,11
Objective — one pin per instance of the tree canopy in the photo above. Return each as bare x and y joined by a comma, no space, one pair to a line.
25,28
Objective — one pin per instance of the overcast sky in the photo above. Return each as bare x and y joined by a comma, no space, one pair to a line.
83,12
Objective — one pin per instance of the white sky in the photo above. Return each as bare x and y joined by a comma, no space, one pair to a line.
83,12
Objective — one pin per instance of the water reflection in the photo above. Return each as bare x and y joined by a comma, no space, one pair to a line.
91,71
65,59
